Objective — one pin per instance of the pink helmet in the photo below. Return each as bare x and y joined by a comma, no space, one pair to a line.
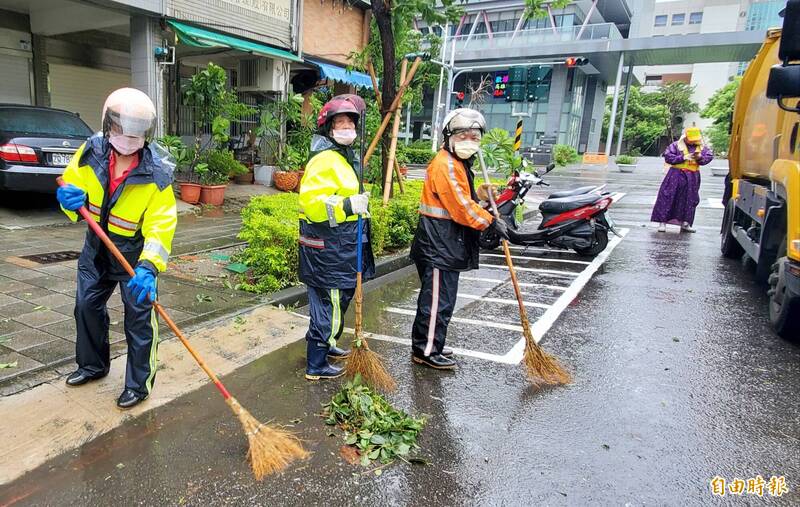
342,104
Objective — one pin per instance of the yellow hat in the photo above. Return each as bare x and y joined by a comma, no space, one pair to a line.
693,135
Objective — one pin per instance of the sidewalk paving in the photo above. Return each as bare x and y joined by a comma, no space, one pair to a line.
37,328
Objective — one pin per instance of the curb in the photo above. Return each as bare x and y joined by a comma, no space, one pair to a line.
298,295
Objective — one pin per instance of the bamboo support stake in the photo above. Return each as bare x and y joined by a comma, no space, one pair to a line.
379,101
388,116
387,184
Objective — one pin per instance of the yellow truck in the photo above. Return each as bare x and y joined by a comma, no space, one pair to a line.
762,208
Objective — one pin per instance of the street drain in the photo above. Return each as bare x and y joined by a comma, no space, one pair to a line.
53,257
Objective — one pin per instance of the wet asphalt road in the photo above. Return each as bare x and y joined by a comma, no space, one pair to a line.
678,379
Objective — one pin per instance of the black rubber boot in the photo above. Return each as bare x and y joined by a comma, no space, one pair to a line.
317,366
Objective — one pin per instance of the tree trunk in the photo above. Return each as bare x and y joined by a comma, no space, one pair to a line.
381,10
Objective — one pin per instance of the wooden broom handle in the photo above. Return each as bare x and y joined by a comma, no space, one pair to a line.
95,227
522,312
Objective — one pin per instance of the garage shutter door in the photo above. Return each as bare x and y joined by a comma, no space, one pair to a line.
15,80
83,90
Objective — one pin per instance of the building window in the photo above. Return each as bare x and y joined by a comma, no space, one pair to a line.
678,19
763,15
661,20
695,18
653,80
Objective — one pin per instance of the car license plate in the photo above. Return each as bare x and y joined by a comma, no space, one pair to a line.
61,159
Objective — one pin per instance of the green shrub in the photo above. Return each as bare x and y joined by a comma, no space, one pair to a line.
626,159
217,166
419,155
564,154
270,228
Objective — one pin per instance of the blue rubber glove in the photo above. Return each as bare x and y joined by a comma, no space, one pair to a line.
70,197
143,284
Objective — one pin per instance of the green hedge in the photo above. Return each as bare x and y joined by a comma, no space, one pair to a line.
270,228
564,154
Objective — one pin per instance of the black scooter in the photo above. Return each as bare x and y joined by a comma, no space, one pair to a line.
571,219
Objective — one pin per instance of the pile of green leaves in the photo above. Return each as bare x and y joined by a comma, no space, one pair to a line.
371,424
498,151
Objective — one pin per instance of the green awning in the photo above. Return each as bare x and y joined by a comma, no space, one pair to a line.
202,38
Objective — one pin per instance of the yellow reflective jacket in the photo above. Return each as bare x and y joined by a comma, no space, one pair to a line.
140,217
327,181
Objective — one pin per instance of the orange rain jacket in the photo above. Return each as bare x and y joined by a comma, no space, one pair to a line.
450,217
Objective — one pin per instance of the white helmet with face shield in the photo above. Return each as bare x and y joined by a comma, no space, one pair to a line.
129,119
462,131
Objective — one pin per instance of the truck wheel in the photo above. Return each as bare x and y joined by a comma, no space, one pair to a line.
784,309
728,245
600,243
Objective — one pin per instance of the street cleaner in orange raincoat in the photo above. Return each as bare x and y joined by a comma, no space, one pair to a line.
446,241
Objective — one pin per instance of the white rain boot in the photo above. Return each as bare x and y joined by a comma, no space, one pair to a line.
687,228
662,227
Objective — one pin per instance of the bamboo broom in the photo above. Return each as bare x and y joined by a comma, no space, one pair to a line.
542,368
271,448
362,360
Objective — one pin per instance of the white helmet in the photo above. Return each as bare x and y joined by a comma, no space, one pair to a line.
463,119
130,112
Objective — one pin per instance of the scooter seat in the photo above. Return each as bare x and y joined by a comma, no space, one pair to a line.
567,193
562,204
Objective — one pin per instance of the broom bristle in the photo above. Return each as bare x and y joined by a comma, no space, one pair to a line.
543,367
271,449
369,364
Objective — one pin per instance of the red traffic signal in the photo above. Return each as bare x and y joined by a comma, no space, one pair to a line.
572,61
460,95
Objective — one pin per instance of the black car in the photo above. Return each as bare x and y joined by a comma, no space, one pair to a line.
36,144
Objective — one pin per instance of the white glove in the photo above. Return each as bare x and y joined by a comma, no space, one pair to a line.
359,203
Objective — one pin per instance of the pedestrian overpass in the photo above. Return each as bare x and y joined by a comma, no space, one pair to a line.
607,51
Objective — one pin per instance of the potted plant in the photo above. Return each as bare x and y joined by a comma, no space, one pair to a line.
288,177
215,171
188,185
626,163
215,106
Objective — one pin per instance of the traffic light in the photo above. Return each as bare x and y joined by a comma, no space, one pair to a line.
460,99
573,61
515,92
538,83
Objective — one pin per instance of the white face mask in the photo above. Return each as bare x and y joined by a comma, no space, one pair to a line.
344,136
126,145
466,149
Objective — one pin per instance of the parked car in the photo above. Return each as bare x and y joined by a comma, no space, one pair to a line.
36,144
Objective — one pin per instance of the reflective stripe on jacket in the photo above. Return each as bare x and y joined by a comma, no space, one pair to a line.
450,217
328,237
140,217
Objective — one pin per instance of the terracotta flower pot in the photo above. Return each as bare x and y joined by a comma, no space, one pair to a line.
285,180
190,192
212,194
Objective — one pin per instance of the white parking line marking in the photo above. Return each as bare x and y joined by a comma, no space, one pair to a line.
617,196
407,341
531,270
497,300
545,322
543,259
524,249
715,203
496,325
521,284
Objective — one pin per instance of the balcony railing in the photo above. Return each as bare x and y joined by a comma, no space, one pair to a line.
536,36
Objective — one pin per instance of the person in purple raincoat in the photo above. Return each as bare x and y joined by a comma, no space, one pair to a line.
680,191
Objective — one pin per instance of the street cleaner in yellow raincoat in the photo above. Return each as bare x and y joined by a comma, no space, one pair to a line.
127,187
330,203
